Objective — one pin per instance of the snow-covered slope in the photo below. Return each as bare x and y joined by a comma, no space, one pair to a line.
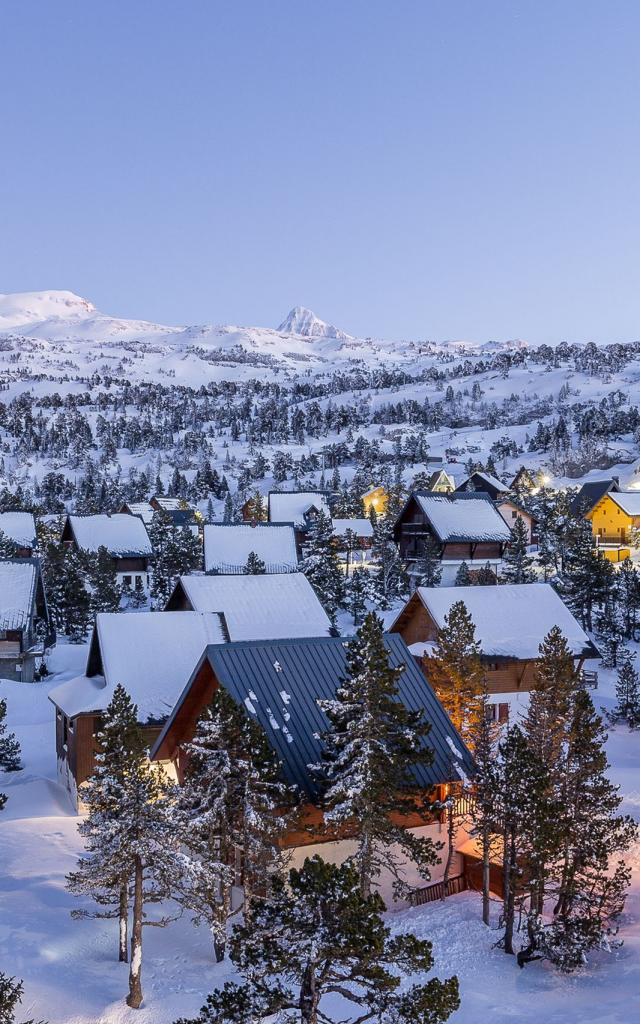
305,323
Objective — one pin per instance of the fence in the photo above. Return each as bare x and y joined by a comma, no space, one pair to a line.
431,893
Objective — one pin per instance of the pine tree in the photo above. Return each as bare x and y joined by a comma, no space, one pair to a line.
358,590
628,591
463,576
610,631
588,576
319,935
486,576
8,547
627,692
11,992
372,745
455,671
255,566
389,579
74,606
255,508
233,800
517,564
9,746
228,512
176,552
321,567
103,580
428,568
484,803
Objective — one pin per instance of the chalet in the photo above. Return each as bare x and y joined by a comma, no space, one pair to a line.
255,607
466,527
297,508
180,513
510,620
125,538
26,629
279,683
227,547
485,484
440,482
20,529
510,509
375,498
615,522
523,481
591,493
152,655
353,538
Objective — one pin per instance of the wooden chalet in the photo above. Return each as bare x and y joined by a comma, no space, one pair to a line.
375,498
177,509
227,547
26,629
124,536
485,484
152,655
466,526
523,481
441,482
279,683
20,529
511,621
353,539
615,522
297,508
510,509
591,494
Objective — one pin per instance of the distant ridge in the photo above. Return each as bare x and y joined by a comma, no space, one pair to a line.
303,322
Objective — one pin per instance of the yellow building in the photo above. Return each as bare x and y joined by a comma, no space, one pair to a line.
375,499
614,521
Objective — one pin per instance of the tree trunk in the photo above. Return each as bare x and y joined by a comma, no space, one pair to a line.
309,997
509,895
364,857
486,875
134,999
123,914
451,831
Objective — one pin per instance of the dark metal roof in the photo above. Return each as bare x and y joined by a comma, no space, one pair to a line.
590,494
280,682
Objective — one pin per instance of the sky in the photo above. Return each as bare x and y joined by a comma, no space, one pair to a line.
405,168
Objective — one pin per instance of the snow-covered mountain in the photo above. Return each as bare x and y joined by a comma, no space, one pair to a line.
305,323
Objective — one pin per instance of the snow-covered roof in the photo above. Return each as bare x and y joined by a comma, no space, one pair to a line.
17,587
143,509
491,480
361,527
120,534
151,654
291,506
260,607
227,547
511,620
463,517
171,504
629,501
20,527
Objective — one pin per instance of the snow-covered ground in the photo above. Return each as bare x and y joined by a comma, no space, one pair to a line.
70,968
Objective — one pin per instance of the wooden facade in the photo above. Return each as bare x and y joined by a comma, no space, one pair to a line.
25,639
413,528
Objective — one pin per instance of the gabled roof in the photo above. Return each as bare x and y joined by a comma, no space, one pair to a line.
590,494
20,527
227,546
259,607
462,517
437,476
511,620
486,478
152,654
18,583
143,509
122,535
628,501
291,506
361,527
280,682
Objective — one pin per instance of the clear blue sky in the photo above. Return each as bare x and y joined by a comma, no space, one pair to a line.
406,168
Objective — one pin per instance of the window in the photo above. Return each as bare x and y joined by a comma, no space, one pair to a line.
503,713
514,515
126,581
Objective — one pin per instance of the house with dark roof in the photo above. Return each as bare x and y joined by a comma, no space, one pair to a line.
441,482
26,629
179,511
20,529
591,493
152,655
124,536
466,526
278,683
511,621
485,483
297,508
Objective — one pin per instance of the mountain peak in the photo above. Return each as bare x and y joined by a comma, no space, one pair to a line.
23,308
306,324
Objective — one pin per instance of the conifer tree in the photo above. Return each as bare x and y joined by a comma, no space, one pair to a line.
484,803
8,547
588,577
227,512
610,630
463,576
176,552
11,992
428,568
517,564
255,508
320,935
233,799
372,745
389,579
358,590
9,746
321,567
255,566
627,692
74,605
628,592
486,576
456,673
103,580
